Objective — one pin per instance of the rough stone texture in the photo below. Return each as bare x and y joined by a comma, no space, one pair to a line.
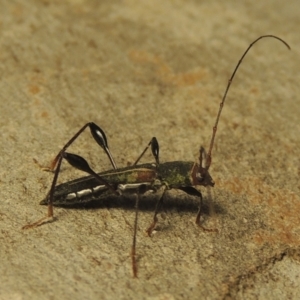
141,69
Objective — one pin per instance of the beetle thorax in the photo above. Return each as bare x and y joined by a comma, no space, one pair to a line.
201,176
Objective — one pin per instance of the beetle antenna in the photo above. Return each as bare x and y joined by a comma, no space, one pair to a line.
208,157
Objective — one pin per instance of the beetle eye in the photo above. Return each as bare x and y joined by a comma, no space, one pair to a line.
199,177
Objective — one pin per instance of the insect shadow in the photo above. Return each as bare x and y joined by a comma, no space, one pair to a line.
173,200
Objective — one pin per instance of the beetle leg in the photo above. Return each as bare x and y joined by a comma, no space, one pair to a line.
194,192
141,190
77,162
157,209
154,149
98,135
80,163
50,216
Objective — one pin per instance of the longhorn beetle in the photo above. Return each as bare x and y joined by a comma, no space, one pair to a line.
138,178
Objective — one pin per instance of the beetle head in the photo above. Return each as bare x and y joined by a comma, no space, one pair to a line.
200,174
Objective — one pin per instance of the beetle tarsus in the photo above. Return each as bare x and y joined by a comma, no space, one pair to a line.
157,209
152,226
40,222
204,228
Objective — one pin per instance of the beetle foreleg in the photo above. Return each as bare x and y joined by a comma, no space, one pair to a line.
194,192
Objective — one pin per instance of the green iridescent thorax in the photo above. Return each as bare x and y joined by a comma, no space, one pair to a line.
176,173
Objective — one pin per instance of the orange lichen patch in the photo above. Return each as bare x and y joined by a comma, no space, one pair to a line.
44,114
235,125
254,91
280,207
18,11
144,57
193,122
85,73
164,72
283,237
36,81
235,185
33,89
283,214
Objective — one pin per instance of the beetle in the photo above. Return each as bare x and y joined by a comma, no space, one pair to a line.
135,179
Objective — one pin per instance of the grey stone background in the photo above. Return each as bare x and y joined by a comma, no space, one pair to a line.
141,69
